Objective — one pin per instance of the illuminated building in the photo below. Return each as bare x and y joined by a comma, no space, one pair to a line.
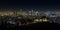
44,19
36,13
29,13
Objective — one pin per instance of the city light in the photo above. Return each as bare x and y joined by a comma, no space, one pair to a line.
27,17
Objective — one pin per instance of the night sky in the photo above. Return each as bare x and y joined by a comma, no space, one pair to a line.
41,4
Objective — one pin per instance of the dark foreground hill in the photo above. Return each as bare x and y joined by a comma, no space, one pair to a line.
37,26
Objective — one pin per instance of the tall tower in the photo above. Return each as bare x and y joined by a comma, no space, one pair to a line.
32,12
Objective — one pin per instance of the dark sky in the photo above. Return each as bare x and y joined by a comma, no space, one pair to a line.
46,4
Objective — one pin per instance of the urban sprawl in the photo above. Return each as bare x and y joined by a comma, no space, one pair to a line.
29,17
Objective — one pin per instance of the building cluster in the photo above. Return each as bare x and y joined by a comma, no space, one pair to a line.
28,13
